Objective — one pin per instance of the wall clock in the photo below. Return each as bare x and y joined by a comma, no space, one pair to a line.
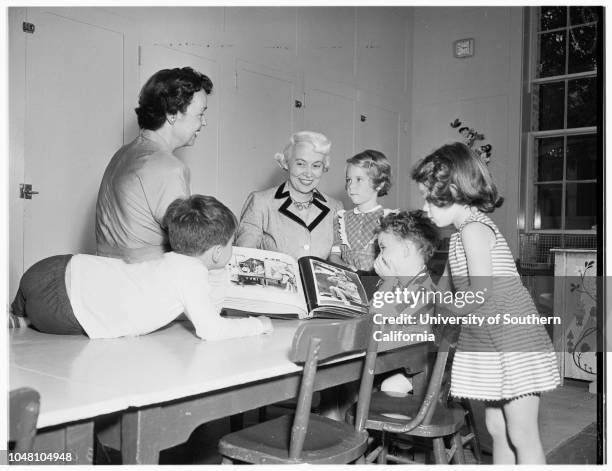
463,48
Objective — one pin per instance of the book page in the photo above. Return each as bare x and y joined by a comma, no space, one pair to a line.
265,281
335,286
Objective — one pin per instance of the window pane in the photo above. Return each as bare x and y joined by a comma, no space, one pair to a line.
548,102
552,17
550,158
582,157
580,205
581,15
552,54
582,49
581,99
547,214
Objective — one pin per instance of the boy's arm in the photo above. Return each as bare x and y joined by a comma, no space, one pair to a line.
202,307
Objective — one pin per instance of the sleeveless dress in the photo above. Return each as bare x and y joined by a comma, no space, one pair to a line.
500,361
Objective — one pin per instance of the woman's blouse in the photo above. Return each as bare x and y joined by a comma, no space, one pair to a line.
139,183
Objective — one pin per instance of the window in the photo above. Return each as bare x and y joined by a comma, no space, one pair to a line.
563,145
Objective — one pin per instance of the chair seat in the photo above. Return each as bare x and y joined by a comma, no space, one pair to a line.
327,442
399,410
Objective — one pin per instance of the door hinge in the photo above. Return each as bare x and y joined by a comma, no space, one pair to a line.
28,27
25,191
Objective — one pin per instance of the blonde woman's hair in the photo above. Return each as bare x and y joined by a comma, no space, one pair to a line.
319,143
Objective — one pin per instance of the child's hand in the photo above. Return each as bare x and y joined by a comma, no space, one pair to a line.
267,324
384,268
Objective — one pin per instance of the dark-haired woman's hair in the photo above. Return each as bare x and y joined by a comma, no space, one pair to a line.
414,226
378,167
455,174
168,92
198,223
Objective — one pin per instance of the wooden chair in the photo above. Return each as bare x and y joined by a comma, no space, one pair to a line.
24,404
429,417
303,437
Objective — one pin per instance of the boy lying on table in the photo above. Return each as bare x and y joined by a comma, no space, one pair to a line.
107,298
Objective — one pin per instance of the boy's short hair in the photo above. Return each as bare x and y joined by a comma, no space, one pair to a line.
378,166
414,226
197,223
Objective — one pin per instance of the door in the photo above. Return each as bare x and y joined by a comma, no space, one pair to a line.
73,125
378,129
202,157
330,108
257,122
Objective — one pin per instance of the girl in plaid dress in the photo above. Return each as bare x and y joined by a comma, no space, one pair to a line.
368,176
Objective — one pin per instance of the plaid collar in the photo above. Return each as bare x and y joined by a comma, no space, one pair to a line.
356,210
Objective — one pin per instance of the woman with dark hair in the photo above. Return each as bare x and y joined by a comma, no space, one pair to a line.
144,176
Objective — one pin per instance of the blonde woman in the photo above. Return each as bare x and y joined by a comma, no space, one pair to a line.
294,218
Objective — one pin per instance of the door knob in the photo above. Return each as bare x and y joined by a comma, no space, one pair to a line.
26,192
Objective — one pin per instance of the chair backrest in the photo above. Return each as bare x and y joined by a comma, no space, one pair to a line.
319,340
446,344
24,404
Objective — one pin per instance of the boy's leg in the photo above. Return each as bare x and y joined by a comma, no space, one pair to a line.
396,384
18,304
43,297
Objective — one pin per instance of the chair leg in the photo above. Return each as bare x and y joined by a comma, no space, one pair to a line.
458,456
360,460
470,421
373,455
384,449
439,451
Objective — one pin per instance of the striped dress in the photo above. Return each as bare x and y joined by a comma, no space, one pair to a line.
502,360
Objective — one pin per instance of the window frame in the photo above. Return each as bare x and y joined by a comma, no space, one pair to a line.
529,139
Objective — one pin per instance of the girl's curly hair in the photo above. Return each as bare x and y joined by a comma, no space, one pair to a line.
414,226
455,174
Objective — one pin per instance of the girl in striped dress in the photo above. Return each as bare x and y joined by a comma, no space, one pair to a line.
508,361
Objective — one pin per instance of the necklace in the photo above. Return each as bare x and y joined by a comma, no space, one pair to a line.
302,205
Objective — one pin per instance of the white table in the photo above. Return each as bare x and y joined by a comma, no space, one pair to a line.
167,383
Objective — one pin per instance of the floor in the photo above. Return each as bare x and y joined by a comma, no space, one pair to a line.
568,429
568,424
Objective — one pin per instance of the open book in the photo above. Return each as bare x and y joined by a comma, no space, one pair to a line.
276,285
